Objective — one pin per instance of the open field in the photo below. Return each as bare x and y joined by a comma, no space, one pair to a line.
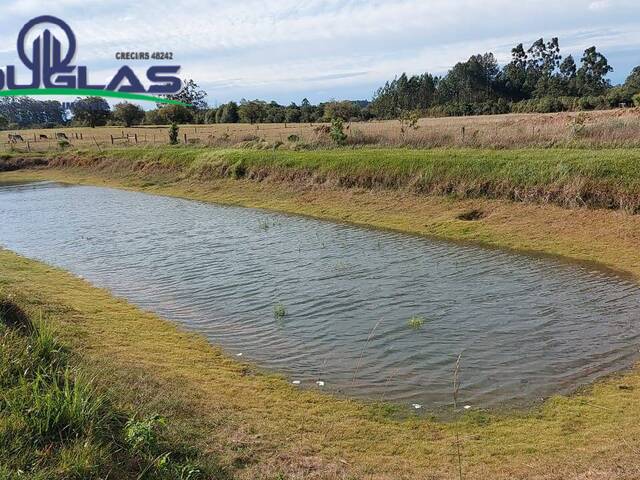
611,128
259,426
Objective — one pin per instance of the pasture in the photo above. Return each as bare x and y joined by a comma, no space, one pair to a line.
611,128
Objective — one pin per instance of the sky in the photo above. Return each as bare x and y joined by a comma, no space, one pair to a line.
287,50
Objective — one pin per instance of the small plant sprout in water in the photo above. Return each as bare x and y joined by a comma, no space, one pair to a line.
279,311
263,225
416,323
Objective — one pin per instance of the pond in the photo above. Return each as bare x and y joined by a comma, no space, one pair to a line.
367,313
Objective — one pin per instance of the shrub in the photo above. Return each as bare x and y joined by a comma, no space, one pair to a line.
636,100
337,132
592,103
174,131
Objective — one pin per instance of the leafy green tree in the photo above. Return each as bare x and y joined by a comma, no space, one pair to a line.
344,110
28,112
175,114
210,116
417,92
274,113
591,76
4,123
191,94
228,113
252,111
308,113
470,81
152,117
292,113
633,80
515,74
91,111
128,114
568,73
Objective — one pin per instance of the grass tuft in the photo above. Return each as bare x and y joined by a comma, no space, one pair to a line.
55,422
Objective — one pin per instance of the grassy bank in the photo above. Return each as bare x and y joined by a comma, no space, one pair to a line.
58,422
259,426
570,178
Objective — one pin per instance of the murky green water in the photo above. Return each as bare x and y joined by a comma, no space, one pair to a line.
527,327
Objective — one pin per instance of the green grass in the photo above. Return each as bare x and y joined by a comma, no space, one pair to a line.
55,422
607,178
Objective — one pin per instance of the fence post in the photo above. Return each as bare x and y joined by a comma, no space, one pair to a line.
135,135
185,138
28,146
111,139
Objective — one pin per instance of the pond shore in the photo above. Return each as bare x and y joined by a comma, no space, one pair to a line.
259,425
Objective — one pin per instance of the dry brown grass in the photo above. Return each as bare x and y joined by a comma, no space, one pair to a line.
585,129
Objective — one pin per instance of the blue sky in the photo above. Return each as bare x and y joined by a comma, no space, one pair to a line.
334,49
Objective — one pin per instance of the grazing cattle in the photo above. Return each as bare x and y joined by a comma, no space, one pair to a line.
15,138
43,137
61,136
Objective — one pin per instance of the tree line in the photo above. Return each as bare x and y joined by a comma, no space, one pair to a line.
537,79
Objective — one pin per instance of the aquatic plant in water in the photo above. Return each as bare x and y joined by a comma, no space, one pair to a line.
416,322
279,311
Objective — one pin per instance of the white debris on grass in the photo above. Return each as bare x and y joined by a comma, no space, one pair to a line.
417,406
320,383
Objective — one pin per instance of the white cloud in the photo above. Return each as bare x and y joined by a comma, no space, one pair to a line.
265,47
599,5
